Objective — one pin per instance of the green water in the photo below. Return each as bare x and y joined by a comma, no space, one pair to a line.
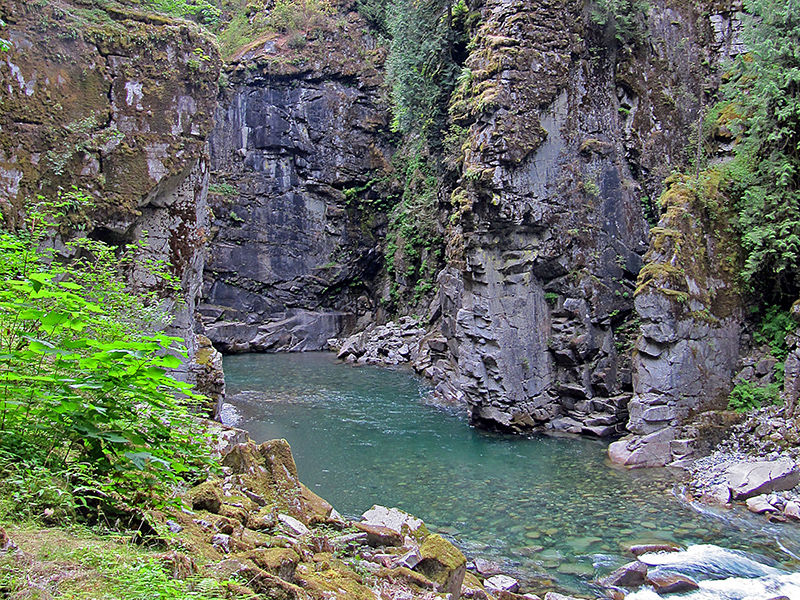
543,507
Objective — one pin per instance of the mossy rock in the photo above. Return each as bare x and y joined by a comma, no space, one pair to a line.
278,561
405,575
443,563
317,508
234,512
265,518
474,587
193,539
206,496
331,578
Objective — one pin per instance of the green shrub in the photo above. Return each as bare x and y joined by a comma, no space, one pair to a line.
746,396
84,380
775,326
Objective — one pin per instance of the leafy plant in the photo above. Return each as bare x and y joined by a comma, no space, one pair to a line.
775,326
203,11
83,378
298,15
747,396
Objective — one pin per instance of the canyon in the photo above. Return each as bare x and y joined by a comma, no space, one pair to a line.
550,290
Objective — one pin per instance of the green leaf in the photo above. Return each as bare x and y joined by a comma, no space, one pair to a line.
170,362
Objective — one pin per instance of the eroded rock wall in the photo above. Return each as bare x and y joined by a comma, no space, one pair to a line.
298,132
117,103
569,133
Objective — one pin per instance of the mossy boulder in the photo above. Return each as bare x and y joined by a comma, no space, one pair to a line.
442,563
206,496
327,577
278,561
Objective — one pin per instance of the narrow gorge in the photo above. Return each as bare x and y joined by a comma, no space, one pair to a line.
555,213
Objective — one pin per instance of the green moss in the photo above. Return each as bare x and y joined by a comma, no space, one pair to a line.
443,555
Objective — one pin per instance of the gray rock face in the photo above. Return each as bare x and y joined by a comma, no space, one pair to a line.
288,266
535,302
122,113
747,480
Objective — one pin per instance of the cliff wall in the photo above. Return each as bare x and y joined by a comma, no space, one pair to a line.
117,103
298,131
570,134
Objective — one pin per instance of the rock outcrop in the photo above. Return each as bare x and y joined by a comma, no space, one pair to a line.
299,134
691,313
118,104
549,231
262,525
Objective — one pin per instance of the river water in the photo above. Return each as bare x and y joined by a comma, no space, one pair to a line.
549,510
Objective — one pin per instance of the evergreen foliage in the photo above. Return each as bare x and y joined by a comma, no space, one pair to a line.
421,64
764,91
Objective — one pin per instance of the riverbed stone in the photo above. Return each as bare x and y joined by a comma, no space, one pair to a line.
639,549
630,575
501,582
792,510
392,518
760,505
671,583
754,478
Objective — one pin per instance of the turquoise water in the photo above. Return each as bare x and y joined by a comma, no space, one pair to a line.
545,508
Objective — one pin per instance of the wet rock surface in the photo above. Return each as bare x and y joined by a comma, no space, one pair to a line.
290,260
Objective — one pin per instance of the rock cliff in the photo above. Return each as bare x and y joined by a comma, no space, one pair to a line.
569,134
567,127
117,103
299,131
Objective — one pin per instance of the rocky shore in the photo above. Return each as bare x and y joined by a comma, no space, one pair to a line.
755,465
259,525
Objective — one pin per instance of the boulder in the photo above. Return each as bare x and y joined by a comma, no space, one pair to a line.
442,563
294,527
749,479
392,518
671,583
719,494
792,511
378,535
486,568
206,496
631,575
760,505
652,450
639,549
501,583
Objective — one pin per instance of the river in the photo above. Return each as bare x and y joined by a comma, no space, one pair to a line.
545,508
